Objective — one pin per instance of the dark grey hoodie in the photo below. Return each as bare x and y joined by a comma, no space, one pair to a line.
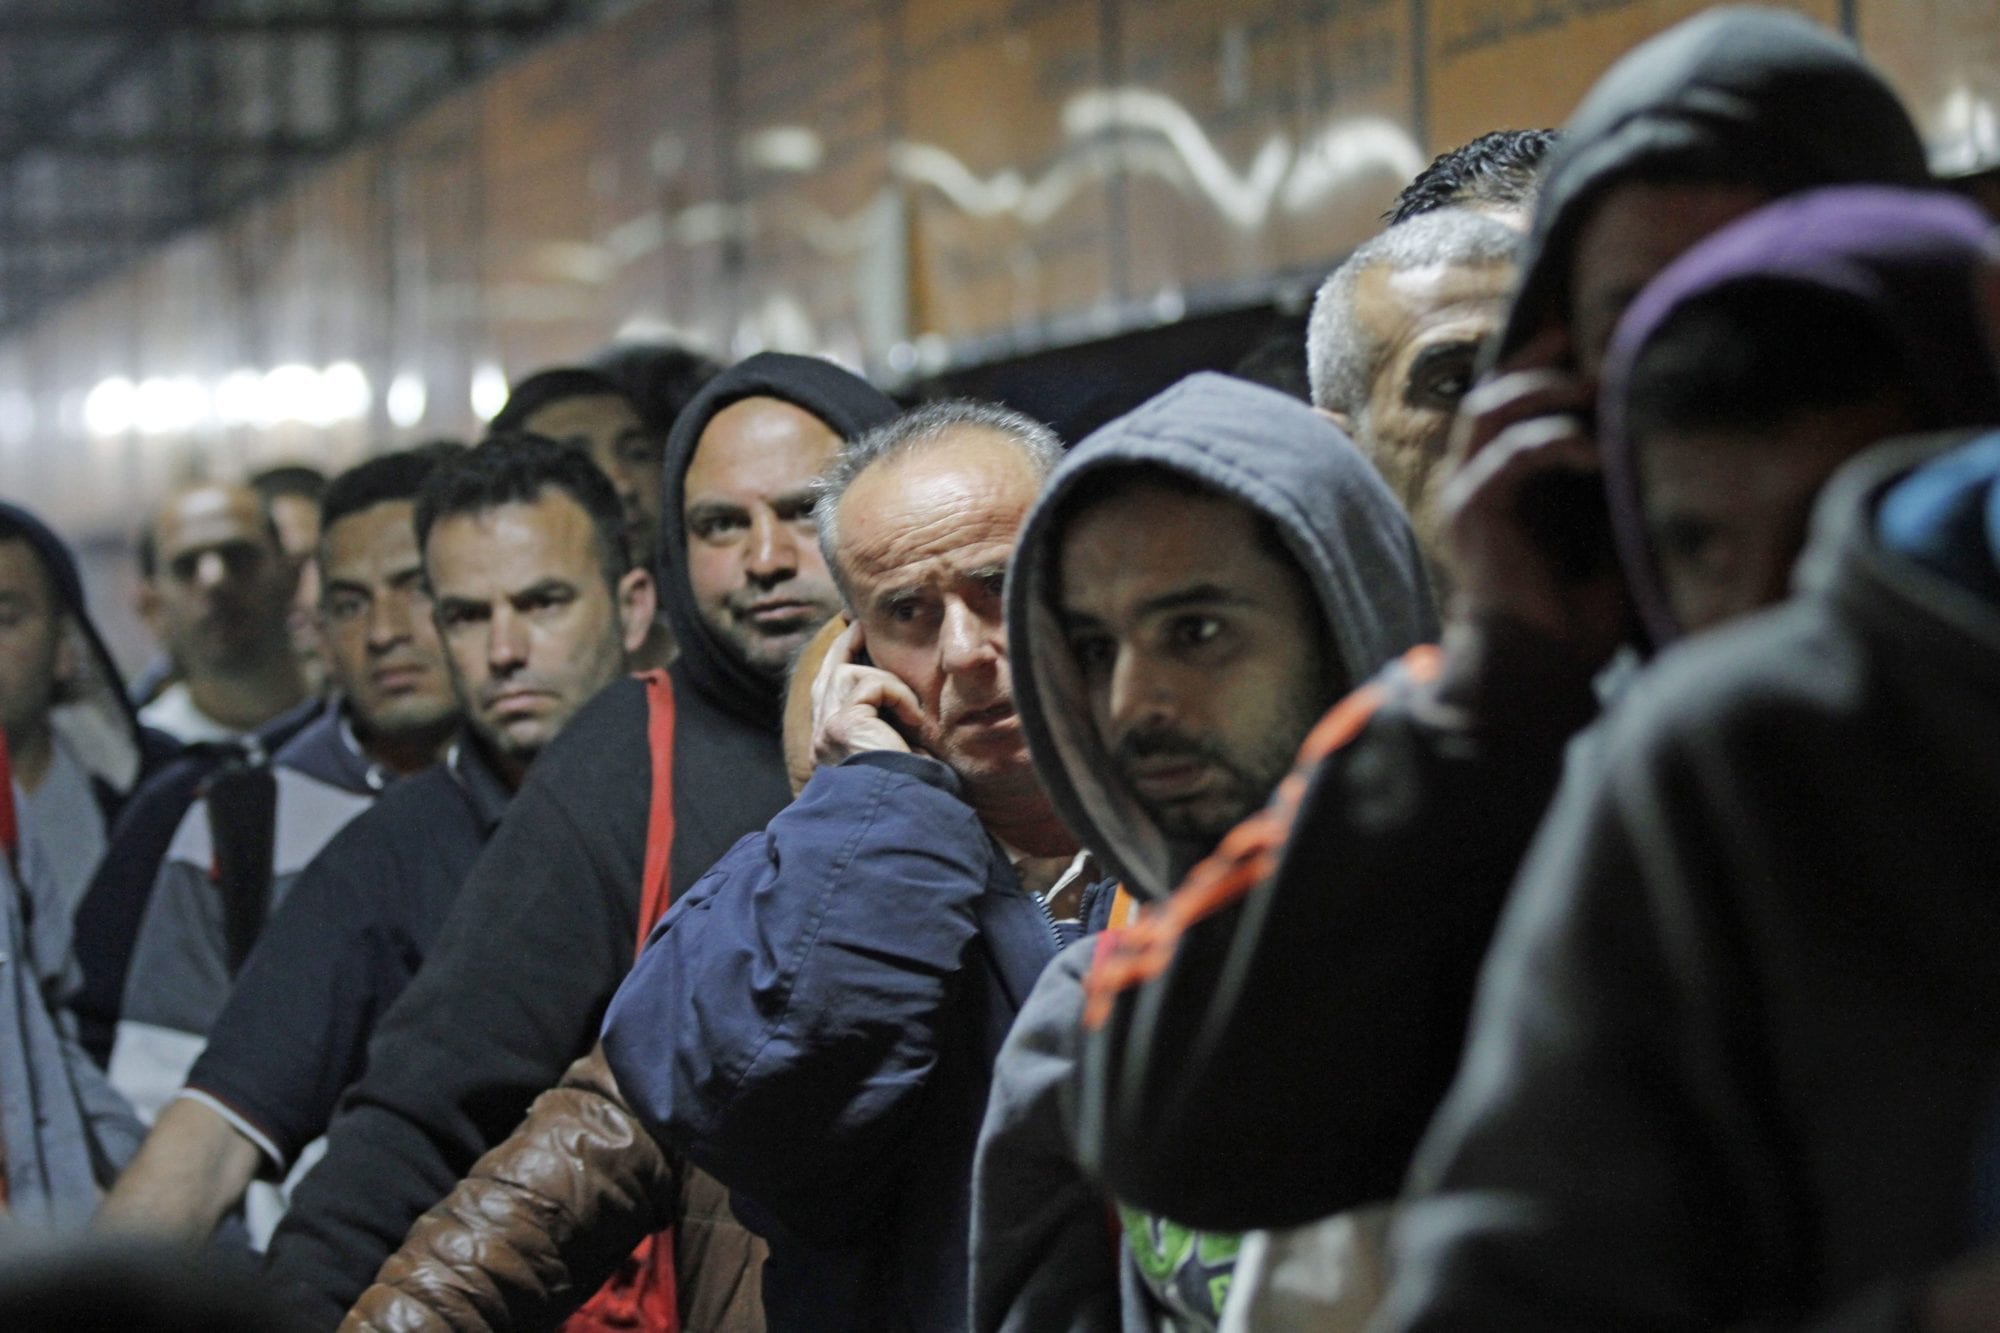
1042,1256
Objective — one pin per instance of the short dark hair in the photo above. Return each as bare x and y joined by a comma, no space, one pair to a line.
1503,167
298,480
515,467
1755,354
378,480
555,385
660,378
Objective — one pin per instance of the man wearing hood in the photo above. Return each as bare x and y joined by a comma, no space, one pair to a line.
241,846
663,775
1166,684
1419,810
78,749
1550,1190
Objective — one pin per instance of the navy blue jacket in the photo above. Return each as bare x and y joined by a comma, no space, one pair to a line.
815,1024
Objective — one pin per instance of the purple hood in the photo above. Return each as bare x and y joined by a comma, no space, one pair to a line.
1909,255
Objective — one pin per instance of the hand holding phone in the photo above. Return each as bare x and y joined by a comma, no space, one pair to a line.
1523,510
857,706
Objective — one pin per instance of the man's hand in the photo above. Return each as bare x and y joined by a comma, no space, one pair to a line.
853,703
1521,428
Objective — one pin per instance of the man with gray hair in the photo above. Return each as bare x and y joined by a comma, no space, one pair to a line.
1394,337
816,1021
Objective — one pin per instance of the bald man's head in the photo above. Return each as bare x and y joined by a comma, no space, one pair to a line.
221,585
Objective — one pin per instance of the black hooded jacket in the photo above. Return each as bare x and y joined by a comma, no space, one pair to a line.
1735,1054
1741,95
1283,1065
544,930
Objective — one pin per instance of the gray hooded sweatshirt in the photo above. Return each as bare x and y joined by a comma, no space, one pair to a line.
1043,1253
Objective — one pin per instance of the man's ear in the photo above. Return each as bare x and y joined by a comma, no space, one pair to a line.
1340,419
66,664
638,603
146,605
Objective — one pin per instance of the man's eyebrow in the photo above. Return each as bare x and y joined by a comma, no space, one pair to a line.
908,592
713,509
800,498
332,586
1200,594
1075,620
1180,599
544,588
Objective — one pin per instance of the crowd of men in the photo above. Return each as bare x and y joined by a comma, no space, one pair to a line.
1510,843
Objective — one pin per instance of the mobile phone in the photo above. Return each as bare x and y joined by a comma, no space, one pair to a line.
1566,514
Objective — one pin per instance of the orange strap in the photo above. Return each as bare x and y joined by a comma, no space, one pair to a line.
1131,955
655,892
643,1293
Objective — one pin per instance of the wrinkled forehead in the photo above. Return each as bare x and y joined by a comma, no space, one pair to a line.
211,516
941,509
760,445
1135,536
1395,303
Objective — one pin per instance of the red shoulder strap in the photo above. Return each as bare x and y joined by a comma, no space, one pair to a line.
655,893
10,828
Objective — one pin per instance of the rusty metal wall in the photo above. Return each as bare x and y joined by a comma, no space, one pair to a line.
904,184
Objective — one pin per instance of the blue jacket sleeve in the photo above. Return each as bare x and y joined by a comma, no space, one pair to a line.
781,1024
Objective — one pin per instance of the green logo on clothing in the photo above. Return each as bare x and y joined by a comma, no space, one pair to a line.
1187,1271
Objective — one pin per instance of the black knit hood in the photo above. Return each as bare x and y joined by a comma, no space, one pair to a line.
846,403
1755,96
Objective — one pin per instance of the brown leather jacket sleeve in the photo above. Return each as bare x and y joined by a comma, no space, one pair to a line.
539,1223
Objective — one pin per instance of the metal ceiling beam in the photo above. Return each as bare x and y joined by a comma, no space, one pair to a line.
96,27
86,60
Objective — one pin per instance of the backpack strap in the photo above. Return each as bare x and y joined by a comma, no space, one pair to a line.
242,802
655,892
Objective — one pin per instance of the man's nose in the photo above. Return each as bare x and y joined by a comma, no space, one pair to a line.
506,642
1138,696
969,641
210,570
388,621
774,550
